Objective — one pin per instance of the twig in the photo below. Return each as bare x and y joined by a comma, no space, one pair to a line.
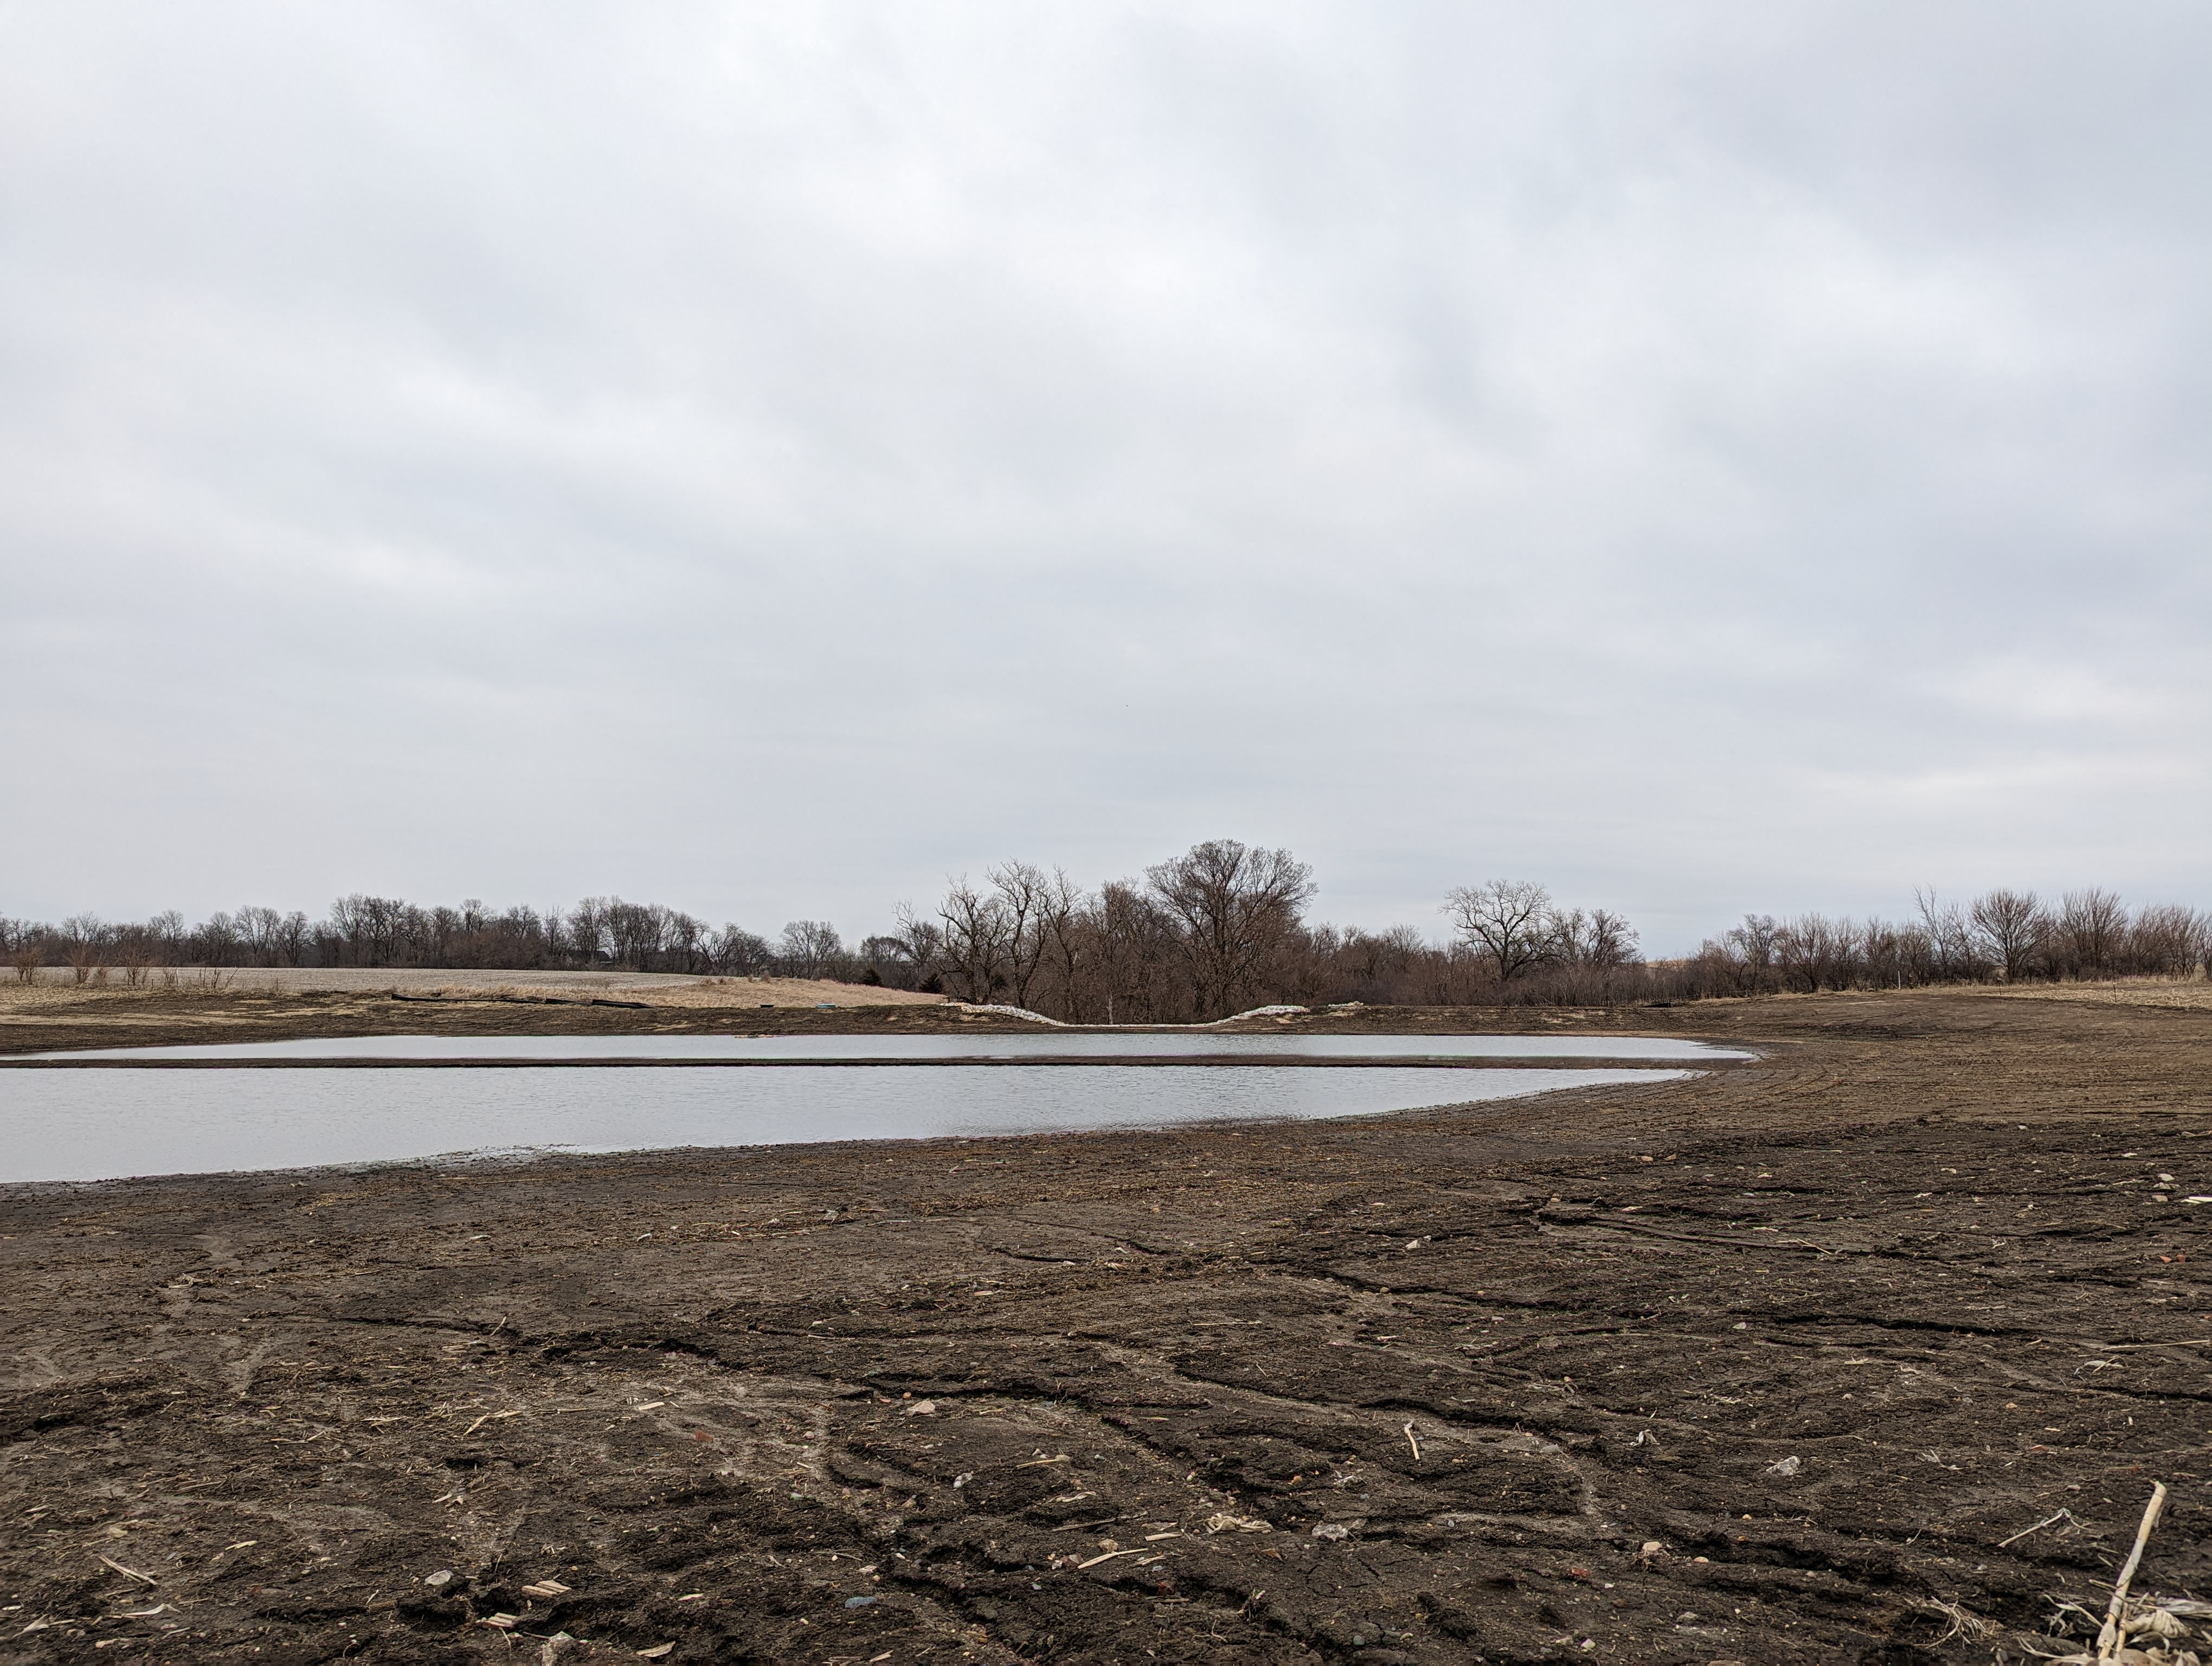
2110,1638
1107,1557
129,1572
2062,1515
1412,1443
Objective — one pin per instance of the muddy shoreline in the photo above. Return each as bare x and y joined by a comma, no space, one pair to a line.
1517,1382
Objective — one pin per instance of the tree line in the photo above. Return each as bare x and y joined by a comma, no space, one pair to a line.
1220,929
600,934
2002,936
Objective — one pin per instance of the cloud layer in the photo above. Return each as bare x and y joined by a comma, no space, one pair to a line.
1707,458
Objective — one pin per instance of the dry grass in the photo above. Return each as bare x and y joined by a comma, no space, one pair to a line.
56,987
2188,994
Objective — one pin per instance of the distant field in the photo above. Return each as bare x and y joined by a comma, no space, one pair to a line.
661,988
2192,993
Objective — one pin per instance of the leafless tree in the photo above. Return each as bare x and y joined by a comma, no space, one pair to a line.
634,931
1136,957
1816,953
1237,906
1509,921
740,953
2092,925
168,929
1022,893
2012,925
1599,938
86,937
1754,940
1945,948
920,942
586,930
975,931
809,948
1061,929
258,932
2167,940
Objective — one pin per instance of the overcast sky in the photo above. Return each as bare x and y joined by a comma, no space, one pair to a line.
766,459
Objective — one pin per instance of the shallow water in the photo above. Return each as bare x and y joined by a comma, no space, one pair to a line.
108,1124
1047,1044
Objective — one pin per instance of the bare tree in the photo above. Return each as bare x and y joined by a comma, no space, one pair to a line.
587,930
1754,940
87,939
975,930
1137,950
1814,952
809,948
1061,931
2165,941
740,953
258,928
2093,925
1952,949
1507,921
920,943
1022,893
1601,938
1237,906
2012,926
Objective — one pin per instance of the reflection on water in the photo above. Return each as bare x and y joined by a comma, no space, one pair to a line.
104,1124
1049,1044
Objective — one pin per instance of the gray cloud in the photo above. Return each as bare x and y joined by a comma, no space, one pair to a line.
1709,457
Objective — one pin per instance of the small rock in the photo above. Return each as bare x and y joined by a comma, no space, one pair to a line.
1331,1530
444,1576
1651,1547
1786,1467
920,1408
860,1602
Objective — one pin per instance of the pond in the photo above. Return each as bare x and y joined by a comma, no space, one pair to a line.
1048,1046
213,1117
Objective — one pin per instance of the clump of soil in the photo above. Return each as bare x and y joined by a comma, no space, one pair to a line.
1810,1360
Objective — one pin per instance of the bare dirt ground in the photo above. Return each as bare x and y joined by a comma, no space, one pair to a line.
1771,1365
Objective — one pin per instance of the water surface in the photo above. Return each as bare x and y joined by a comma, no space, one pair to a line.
110,1123
916,1049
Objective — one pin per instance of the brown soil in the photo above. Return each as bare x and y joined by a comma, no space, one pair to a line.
1513,1382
